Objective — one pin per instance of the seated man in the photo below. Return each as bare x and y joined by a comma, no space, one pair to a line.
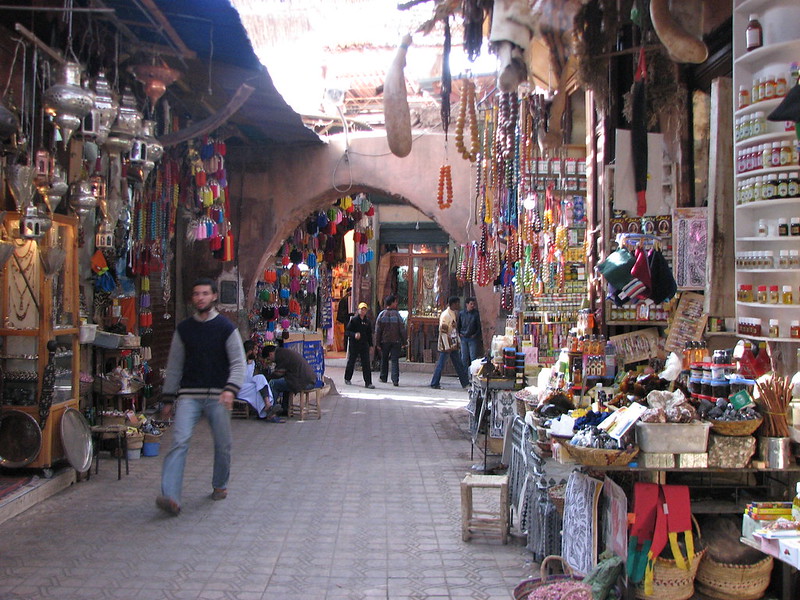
255,390
292,373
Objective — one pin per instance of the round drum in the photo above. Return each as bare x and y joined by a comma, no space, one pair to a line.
20,439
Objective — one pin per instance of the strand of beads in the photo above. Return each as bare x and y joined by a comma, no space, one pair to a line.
445,183
467,117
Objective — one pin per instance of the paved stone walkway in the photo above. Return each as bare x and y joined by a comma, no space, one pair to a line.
364,503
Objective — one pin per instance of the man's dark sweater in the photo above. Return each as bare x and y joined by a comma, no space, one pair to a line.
297,372
469,323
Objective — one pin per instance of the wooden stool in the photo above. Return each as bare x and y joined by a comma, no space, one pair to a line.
241,409
306,403
488,522
111,432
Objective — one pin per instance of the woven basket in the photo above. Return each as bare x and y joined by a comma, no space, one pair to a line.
524,588
670,582
733,582
556,495
598,457
736,428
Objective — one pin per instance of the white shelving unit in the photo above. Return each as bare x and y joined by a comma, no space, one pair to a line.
779,19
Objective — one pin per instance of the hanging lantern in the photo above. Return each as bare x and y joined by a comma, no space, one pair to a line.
155,78
155,149
97,122
67,101
33,225
105,235
20,182
127,125
55,188
43,164
81,199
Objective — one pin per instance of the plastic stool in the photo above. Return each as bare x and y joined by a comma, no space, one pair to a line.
488,522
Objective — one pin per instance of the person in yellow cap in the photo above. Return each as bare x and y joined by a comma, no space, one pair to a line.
359,345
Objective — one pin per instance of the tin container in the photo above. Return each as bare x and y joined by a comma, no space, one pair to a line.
672,437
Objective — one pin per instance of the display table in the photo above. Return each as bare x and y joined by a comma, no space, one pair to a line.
788,570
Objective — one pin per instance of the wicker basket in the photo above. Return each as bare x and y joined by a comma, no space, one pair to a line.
556,495
733,582
670,582
598,457
736,428
524,588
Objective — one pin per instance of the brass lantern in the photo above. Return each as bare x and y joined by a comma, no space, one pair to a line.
104,238
155,78
55,190
81,198
67,101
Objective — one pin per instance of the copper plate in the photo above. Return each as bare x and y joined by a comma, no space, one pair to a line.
20,439
76,437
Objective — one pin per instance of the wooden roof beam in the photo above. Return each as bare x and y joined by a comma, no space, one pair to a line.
167,28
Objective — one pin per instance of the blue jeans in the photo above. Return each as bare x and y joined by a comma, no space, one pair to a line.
390,351
456,358
188,411
469,350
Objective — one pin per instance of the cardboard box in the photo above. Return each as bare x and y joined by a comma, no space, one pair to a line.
789,549
672,437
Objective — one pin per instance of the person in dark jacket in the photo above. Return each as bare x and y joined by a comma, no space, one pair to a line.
469,330
390,335
205,370
292,373
359,344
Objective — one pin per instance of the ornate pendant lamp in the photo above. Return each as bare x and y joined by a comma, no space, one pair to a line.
97,123
155,77
33,224
55,190
67,101
104,238
127,125
20,182
81,198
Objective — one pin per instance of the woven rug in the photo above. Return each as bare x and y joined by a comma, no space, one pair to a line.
9,485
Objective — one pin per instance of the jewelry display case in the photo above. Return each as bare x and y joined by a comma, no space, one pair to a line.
40,303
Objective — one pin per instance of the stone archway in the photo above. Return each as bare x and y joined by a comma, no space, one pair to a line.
289,184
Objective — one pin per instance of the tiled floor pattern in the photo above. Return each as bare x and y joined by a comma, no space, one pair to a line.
363,503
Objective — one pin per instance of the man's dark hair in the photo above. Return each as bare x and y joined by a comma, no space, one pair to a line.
453,300
389,300
470,299
249,346
267,350
206,281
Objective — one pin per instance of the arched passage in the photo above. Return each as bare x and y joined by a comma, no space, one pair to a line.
289,184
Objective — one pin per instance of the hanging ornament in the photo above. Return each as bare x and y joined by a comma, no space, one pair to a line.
126,126
57,188
20,182
156,77
104,238
33,224
81,198
97,122
67,101
445,181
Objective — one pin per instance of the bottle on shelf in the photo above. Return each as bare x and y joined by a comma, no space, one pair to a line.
754,34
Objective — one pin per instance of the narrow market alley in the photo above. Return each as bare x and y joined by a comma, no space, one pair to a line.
363,503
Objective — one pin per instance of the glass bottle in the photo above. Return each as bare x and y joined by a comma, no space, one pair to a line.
781,87
773,295
794,226
783,185
775,157
783,226
744,96
762,227
761,294
774,328
794,189
754,34
769,87
786,297
795,329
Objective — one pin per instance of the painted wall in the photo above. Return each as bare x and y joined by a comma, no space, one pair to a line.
275,191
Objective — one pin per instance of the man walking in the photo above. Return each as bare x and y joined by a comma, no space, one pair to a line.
448,344
390,335
205,369
359,334
469,330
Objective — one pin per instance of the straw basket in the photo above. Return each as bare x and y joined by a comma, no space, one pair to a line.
135,441
736,428
571,586
598,457
733,582
670,582
556,495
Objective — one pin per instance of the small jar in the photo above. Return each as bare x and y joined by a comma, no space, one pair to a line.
786,296
794,259
783,227
783,259
794,188
781,87
761,294
757,327
775,156
769,259
794,330
773,297
744,96
786,152
747,292
774,328
769,87
762,227
783,185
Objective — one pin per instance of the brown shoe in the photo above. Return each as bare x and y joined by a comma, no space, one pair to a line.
168,505
219,494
